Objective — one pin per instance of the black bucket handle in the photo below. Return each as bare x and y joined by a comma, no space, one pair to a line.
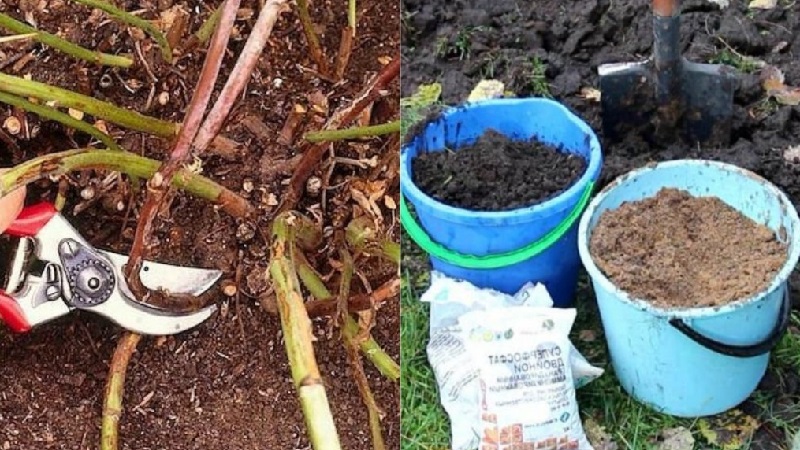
741,351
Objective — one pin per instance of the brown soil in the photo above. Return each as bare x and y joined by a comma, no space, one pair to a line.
227,383
676,250
497,173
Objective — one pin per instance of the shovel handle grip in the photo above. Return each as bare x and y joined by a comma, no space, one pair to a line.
666,8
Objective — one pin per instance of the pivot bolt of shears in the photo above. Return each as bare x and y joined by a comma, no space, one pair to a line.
90,277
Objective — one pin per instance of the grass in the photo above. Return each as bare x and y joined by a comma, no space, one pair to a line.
460,45
743,64
424,423
537,79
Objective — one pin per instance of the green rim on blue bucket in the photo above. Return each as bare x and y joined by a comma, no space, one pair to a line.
418,235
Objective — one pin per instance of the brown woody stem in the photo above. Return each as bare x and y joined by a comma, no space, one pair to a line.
240,74
159,184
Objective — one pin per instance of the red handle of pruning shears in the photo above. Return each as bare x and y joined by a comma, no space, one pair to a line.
28,224
31,220
12,314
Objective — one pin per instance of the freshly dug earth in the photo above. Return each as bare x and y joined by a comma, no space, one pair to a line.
225,384
676,250
497,173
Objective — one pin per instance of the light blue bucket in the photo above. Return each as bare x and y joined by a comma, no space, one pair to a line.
503,250
701,361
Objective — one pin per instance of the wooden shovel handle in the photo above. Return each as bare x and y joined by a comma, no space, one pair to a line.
666,8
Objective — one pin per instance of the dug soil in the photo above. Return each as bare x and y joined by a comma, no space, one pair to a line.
497,173
679,251
227,383
557,46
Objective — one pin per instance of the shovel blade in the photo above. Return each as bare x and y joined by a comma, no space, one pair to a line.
627,98
708,91
629,103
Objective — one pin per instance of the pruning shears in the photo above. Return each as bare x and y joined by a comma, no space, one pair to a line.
55,271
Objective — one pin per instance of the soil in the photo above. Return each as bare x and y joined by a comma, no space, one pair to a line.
679,251
510,41
225,384
497,173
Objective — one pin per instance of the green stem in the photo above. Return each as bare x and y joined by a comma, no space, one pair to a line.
391,251
352,345
56,164
58,116
362,236
63,45
208,27
311,37
353,133
89,105
298,336
382,361
371,349
130,19
115,390
351,15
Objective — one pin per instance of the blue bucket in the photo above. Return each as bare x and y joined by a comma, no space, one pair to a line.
699,361
503,250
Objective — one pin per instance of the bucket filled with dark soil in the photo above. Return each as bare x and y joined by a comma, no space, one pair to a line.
497,187
690,263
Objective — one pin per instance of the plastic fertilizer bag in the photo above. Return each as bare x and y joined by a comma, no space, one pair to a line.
455,369
527,395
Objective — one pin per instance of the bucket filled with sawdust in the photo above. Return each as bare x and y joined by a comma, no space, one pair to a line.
498,187
690,262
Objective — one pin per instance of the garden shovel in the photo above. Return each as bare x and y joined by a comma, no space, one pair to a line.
666,92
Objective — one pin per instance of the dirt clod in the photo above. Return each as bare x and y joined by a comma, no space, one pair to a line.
676,250
497,173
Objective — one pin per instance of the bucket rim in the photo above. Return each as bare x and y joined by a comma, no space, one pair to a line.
598,276
459,215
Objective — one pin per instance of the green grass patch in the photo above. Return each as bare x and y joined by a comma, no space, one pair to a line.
458,45
424,423
742,63
537,79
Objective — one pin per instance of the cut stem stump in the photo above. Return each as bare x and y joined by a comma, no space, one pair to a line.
314,46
